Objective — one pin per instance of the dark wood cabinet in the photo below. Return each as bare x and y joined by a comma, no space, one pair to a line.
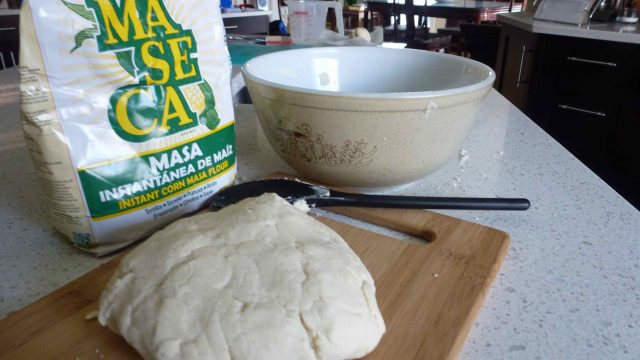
582,88
583,92
9,40
257,24
514,63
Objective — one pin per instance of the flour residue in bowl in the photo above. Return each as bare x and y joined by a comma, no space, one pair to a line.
286,72
432,106
324,78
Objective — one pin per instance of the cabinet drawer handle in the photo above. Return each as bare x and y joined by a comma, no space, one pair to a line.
231,27
597,113
519,80
8,29
595,62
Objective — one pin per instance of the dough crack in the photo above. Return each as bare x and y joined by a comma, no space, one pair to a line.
364,295
313,339
227,347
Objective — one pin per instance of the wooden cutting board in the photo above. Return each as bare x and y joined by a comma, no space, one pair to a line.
429,294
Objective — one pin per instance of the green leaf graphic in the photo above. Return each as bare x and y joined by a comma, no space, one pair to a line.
83,35
82,11
209,116
125,58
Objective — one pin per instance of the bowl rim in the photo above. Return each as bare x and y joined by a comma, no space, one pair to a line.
488,81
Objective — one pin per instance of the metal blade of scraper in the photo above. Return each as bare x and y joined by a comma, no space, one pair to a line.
315,195
289,190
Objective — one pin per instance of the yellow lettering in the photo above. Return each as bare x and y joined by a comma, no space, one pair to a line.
181,56
123,204
153,62
222,166
138,200
196,178
121,26
171,188
157,17
123,116
173,102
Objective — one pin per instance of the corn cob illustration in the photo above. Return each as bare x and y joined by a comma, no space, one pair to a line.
199,96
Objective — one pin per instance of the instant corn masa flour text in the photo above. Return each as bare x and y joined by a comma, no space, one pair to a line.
127,111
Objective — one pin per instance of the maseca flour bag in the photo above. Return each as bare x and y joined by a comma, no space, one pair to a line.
127,111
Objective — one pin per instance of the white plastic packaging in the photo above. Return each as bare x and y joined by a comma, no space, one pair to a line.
128,113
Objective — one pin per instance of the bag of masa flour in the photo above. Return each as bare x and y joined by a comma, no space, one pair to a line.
127,111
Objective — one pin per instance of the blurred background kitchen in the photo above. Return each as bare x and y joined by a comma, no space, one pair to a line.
569,65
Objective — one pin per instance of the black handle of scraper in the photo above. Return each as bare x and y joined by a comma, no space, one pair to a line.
337,198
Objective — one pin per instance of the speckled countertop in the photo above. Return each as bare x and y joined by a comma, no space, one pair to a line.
611,31
570,285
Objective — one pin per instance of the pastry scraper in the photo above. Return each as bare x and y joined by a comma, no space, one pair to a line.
319,196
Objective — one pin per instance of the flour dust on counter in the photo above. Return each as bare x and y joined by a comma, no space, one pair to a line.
256,280
127,111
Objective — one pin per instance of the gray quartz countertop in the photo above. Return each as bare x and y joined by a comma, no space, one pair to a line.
611,31
568,289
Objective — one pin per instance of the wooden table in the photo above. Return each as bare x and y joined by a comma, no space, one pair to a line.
455,12
357,18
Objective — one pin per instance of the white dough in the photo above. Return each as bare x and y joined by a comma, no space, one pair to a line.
256,280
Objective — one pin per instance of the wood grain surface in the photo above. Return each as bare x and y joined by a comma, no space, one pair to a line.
429,294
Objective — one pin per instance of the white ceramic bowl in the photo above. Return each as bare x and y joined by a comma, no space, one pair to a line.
366,117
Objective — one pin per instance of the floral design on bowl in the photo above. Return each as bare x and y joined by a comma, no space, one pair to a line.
302,142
